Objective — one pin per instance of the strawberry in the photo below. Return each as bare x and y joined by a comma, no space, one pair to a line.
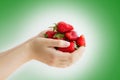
81,41
64,31
63,27
72,35
49,34
70,49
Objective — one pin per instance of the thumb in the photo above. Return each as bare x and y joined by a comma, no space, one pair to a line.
53,42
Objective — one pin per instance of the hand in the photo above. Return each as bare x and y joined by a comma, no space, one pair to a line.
42,49
38,48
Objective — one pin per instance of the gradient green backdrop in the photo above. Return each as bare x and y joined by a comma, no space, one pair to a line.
105,13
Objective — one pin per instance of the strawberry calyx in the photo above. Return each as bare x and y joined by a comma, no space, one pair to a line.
45,35
58,35
75,45
55,27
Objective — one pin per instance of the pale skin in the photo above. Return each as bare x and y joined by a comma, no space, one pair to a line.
37,48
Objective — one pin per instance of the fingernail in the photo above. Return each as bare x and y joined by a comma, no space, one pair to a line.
66,44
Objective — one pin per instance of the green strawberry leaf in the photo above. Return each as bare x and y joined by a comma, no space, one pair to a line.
45,35
75,45
55,28
58,35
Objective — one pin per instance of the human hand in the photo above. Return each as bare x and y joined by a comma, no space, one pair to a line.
42,49
38,48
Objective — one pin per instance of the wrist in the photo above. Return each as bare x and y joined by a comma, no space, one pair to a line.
33,49
29,49
22,52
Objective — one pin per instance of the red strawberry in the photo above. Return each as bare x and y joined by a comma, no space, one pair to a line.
63,27
70,49
49,34
81,41
72,35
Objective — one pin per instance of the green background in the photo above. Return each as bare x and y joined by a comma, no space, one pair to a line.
105,13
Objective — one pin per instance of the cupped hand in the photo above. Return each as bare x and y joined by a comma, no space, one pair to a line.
42,49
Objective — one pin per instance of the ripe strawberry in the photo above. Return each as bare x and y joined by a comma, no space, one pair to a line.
70,49
72,35
81,41
63,27
49,34
64,31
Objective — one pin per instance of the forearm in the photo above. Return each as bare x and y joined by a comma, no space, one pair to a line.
12,59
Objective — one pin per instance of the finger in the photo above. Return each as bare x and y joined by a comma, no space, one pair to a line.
52,58
80,50
59,55
53,42
62,61
59,63
77,54
62,64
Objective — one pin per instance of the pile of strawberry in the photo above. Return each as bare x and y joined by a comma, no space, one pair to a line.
64,31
